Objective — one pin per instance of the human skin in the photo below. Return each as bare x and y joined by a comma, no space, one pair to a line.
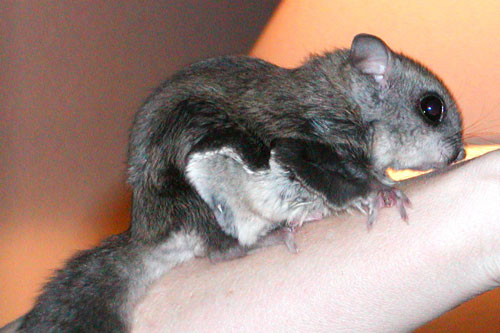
394,277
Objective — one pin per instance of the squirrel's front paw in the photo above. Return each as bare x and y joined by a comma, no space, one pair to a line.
387,197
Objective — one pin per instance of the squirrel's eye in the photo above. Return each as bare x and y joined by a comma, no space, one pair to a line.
432,108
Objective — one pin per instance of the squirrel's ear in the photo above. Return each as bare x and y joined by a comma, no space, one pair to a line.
371,56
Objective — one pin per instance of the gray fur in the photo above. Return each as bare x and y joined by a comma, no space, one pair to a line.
230,151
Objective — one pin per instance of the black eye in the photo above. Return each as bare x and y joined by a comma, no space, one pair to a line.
432,107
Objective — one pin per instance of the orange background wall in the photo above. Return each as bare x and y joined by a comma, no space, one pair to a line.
72,75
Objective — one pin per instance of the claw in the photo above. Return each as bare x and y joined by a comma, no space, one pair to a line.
402,209
289,240
282,235
372,217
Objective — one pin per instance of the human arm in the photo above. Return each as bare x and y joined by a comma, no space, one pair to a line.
395,277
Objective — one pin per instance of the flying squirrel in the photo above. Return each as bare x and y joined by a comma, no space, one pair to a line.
234,153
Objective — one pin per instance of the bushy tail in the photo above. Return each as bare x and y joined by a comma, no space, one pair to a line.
87,294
